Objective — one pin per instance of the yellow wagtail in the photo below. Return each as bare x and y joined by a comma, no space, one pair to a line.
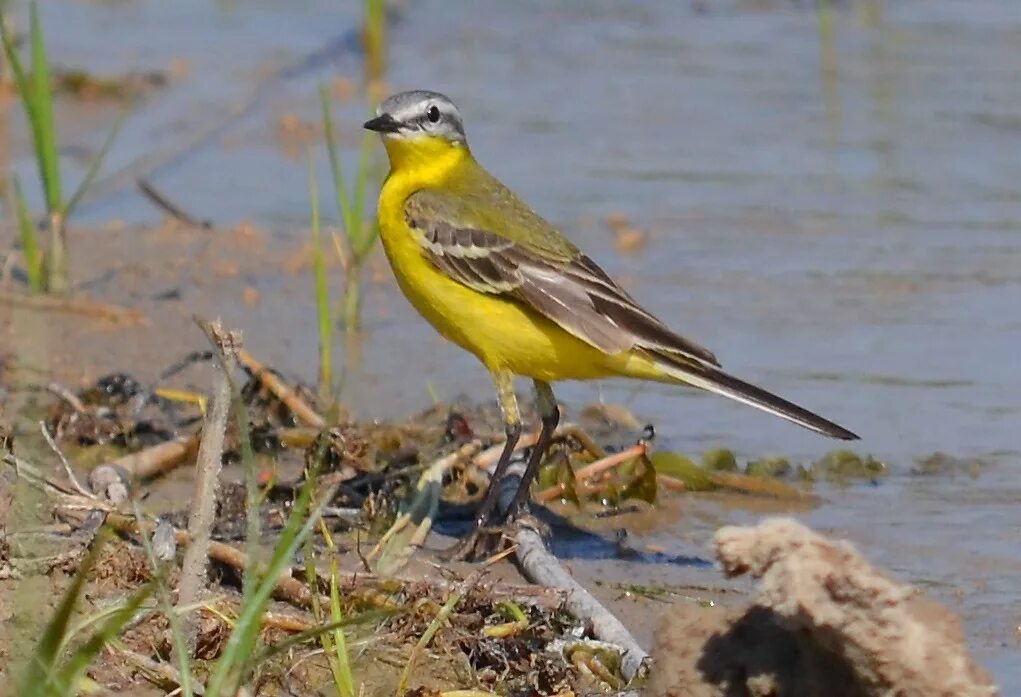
501,282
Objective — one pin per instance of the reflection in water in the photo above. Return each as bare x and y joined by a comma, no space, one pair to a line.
829,70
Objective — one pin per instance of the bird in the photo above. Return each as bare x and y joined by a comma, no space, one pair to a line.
498,280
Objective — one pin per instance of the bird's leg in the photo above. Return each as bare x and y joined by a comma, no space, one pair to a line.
550,414
485,513
479,541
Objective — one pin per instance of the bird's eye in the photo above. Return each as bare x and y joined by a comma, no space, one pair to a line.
433,114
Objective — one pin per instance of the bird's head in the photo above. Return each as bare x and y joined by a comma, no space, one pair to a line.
419,123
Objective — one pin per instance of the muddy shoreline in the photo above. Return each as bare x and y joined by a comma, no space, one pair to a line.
166,284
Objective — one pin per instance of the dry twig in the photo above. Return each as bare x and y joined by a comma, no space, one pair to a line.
158,459
284,393
588,471
63,461
68,396
209,462
540,566
168,206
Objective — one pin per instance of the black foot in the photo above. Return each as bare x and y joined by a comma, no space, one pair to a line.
481,543
526,519
486,540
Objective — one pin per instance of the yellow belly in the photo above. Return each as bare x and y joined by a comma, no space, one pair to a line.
501,332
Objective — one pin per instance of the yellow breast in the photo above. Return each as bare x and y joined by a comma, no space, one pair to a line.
500,331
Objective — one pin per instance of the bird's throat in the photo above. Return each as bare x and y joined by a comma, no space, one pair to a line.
425,157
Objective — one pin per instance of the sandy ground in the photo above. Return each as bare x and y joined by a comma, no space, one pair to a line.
825,623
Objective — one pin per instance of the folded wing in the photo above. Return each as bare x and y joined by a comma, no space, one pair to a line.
509,250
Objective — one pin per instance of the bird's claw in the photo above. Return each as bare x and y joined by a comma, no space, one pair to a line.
487,540
481,543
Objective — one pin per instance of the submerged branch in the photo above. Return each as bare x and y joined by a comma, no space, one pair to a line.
74,305
159,200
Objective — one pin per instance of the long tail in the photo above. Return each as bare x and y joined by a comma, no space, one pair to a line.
715,380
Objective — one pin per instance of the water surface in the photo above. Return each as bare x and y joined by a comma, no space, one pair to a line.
850,238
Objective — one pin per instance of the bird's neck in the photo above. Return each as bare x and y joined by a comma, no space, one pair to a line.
426,160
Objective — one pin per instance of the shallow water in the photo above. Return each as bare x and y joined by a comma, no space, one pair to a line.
850,239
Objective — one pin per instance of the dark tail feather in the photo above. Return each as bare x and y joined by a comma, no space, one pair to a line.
715,380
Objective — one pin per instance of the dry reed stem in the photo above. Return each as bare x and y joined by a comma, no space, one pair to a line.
591,470
761,486
209,462
158,459
284,393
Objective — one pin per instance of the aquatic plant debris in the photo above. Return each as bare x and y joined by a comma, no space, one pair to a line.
360,475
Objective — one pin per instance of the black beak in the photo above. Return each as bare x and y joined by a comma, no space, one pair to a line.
383,123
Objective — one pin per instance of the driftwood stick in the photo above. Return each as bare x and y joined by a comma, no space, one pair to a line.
208,465
289,589
541,567
158,459
287,623
284,393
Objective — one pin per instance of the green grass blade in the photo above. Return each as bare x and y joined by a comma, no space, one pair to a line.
346,686
339,185
427,636
322,289
24,89
312,580
43,665
370,233
29,241
352,300
68,677
43,128
315,632
163,596
231,668
374,32
362,237
94,166
20,80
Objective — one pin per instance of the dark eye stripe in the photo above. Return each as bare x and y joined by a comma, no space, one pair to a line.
448,124
419,121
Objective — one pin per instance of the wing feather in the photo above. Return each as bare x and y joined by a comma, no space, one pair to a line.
558,281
